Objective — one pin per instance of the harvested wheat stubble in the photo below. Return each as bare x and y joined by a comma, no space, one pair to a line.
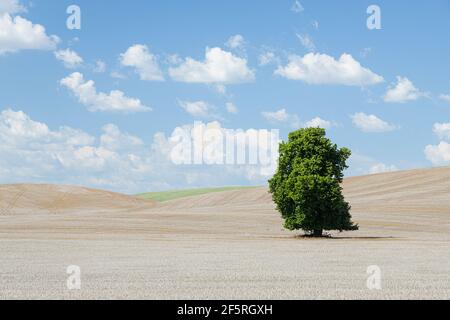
225,245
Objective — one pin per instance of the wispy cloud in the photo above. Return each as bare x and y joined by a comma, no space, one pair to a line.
306,41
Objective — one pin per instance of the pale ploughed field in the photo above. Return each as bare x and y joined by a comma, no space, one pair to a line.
228,244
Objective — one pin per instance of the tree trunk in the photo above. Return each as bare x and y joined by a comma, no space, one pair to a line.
317,233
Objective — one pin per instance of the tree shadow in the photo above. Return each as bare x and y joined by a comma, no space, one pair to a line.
363,238
331,237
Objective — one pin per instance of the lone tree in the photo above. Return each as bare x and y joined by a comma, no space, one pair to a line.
306,187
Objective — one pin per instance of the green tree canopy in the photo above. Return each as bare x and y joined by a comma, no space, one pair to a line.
307,185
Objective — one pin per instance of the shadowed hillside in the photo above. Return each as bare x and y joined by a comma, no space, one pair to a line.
21,198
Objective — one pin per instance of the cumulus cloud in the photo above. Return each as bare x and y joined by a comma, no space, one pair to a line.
113,139
371,123
277,116
18,34
315,68
145,63
236,41
197,108
318,122
87,94
11,6
20,126
442,130
70,58
32,152
283,117
403,91
219,66
439,154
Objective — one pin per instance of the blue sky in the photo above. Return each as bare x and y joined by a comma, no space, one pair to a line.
384,93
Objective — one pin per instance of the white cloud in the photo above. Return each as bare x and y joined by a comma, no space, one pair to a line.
197,108
318,122
297,7
282,116
403,91
266,58
100,66
315,68
445,97
114,139
11,6
17,130
35,153
438,154
17,126
371,123
219,67
231,108
87,94
31,152
306,41
442,130
381,168
139,57
236,41
70,58
20,34
278,116
361,165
